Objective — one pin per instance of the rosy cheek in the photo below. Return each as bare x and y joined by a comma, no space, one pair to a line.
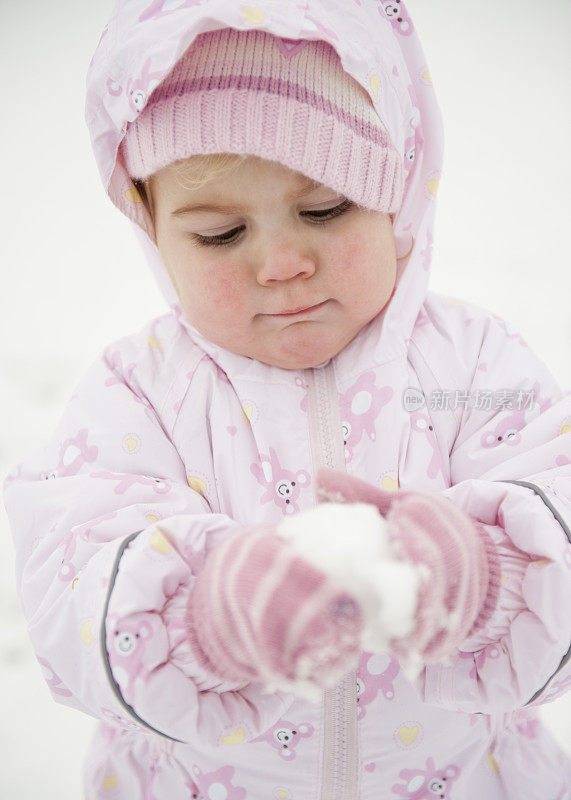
224,286
343,259
363,267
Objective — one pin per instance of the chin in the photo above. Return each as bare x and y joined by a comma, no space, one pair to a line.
311,347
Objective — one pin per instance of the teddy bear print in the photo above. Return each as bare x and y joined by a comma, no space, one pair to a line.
123,376
115,89
421,423
527,723
125,482
414,141
285,737
54,681
281,485
139,89
428,783
73,454
194,791
313,25
507,430
303,386
398,15
360,406
218,785
127,654
376,673
115,364
119,721
409,154
161,8
509,333
414,118
77,533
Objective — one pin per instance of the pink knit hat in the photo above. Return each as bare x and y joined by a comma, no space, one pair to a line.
288,101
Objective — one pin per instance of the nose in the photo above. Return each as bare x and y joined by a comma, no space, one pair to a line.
283,261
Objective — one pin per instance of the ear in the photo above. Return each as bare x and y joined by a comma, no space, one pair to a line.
144,194
452,771
144,189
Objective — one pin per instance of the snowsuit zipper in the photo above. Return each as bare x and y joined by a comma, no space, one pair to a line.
340,775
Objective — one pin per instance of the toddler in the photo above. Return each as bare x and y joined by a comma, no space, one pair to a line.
306,536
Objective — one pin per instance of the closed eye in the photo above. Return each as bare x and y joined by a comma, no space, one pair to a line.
317,218
323,215
220,239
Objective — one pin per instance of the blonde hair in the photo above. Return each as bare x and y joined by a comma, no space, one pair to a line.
196,171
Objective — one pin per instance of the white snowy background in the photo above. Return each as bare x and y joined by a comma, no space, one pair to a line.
73,278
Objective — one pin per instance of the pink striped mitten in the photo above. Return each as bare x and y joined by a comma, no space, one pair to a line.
459,566
260,612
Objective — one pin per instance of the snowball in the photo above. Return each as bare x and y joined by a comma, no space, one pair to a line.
351,544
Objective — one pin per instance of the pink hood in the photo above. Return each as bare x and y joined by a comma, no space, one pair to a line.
378,47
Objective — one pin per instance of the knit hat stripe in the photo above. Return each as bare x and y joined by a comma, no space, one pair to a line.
284,88
235,92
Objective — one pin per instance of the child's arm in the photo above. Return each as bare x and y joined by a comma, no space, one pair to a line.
521,654
511,471
473,606
108,557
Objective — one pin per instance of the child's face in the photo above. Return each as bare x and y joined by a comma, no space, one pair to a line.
293,285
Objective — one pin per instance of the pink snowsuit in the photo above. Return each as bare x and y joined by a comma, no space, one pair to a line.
171,444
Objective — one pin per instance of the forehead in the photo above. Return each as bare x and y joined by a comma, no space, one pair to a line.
207,171
197,188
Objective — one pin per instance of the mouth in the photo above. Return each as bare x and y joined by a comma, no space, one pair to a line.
301,310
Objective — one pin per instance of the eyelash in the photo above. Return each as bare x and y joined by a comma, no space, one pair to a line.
320,217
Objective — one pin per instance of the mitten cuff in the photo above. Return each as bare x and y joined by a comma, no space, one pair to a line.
461,585
490,588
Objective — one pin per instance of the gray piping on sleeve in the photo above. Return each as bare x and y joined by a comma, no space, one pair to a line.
541,494
103,641
547,502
